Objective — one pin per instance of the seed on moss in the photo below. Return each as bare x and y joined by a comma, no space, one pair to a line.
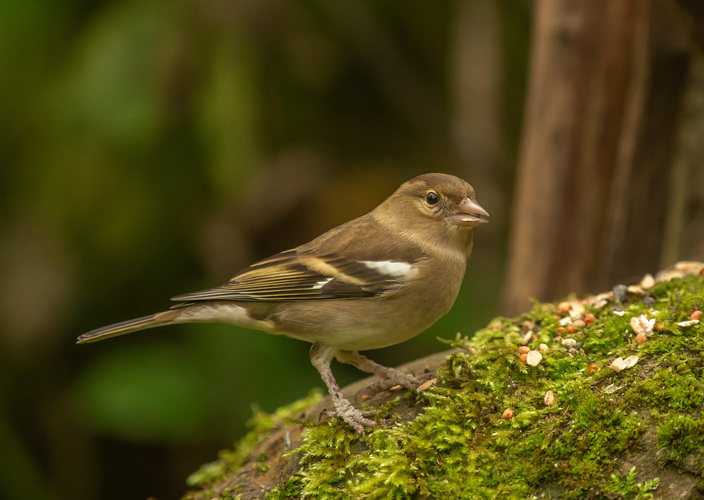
524,358
567,320
507,414
696,315
599,301
610,389
649,301
473,351
533,358
630,361
495,325
687,324
592,367
642,324
579,323
569,342
641,338
617,364
561,330
647,282
658,326
571,329
544,347
564,307
549,399
523,349
427,385
527,337
589,318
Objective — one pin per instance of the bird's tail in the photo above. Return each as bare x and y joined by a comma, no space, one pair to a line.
129,326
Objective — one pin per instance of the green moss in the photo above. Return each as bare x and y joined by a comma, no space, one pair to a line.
461,447
681,434
261,424
627,487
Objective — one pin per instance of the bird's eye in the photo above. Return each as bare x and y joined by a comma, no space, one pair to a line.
431,198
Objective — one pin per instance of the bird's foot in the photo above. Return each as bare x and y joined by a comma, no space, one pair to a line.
354,417
391,376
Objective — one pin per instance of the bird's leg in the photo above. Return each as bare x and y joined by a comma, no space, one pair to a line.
367,365
321,356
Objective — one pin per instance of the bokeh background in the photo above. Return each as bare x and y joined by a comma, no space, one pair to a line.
150,148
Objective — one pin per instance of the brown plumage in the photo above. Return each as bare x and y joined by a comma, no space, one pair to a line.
372,282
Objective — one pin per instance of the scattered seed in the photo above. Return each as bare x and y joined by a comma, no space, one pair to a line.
642,324
366,397
523,349
524,358
527,337
495,325
636,290
592,367
571,329
544,347
696,315
599,301
641,338
658,326
649,301
427,385
610,389
579,323
549,399
617,364
647,282
689,265
619,313
569,342
507,414
564,307
577,308
534,358
680,269
686,324
630,361
561,329
589,318
598,304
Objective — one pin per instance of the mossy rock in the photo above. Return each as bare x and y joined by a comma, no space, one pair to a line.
637,433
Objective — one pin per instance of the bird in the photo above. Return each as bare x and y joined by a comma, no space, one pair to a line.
369,283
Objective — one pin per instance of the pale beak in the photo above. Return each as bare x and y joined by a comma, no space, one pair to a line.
469,213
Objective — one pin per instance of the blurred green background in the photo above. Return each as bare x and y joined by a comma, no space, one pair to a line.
152,147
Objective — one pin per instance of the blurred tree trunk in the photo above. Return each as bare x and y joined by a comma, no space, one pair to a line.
606,186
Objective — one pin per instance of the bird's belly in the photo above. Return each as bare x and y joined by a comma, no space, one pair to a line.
358,325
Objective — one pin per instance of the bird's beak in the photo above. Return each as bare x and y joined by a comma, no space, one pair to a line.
469,213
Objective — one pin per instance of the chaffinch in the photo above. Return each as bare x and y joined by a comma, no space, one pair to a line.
372,282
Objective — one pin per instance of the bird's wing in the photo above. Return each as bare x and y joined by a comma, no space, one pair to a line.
296,275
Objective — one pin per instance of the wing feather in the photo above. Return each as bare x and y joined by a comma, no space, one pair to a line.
339,264
293,276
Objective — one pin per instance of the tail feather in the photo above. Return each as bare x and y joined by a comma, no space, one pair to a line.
129,326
